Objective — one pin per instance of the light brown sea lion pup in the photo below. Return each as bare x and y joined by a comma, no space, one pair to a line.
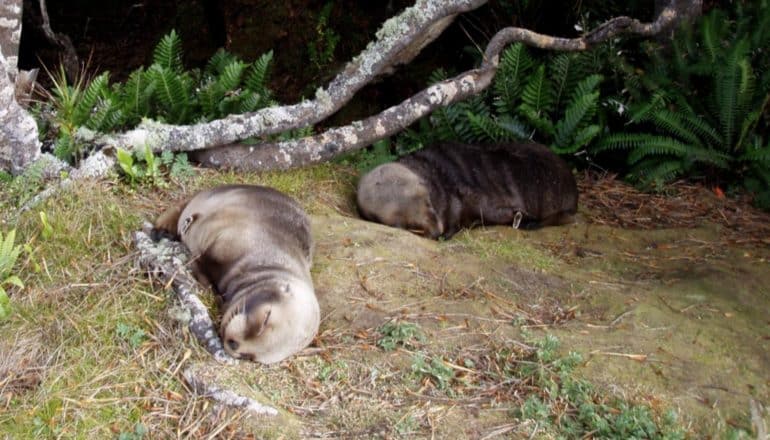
446,187
253,245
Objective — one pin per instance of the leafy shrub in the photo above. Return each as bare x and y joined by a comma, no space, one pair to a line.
555,101
700,106
164,91
394,334
150,169
9,253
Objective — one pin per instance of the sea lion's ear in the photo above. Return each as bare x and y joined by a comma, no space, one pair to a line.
187,222
257,321
166,224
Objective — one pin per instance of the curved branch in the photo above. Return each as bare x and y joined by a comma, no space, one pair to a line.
335,141
395,43
166,260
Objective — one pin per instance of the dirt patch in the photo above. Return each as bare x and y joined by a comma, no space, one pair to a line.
419,338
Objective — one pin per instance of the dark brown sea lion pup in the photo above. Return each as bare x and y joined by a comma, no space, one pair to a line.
446,187
253,245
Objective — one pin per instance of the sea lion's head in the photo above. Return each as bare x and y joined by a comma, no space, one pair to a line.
271,323
394,195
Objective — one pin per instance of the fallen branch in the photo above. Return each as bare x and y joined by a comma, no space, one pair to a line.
225,396
635,357
166,261
398,39
339,140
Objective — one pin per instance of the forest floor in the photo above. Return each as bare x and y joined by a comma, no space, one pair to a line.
659,304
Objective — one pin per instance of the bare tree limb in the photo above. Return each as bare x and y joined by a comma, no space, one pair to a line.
399,39
416,25
204,385
166,260
335,141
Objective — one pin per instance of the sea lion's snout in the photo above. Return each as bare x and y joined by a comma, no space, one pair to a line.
269,325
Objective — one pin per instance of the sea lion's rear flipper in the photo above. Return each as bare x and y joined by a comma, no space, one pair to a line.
166,224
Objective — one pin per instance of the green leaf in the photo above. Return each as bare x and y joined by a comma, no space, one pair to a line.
258,74
5,304
14,280
87,104
168,52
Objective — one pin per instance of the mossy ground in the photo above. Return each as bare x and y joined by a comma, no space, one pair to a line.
673,319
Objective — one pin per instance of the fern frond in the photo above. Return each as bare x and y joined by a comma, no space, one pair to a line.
230,78
700,127
513,125
540,122
642,112
256,79
437,76
168,52
136,94
106,117
170,89
209,97
759,155
582,138
666,146
580,110
249,102
96,89
711,40
655,173
515,65
217,63
537,94
560,73
727,88
670,123
586,86
485,129
621,141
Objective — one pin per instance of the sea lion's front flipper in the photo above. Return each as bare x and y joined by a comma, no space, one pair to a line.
166,224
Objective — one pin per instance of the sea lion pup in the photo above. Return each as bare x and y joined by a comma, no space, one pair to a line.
253,245
446,187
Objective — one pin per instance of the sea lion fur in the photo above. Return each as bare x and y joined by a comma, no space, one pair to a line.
446,187
253,245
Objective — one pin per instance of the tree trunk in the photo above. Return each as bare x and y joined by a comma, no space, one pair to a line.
19,145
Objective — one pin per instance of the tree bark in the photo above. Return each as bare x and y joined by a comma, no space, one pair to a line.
339,140
19,145
166,260
399,40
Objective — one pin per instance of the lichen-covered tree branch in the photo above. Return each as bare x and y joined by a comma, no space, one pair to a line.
217,142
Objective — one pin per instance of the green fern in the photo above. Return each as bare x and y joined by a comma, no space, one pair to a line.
578,116
699,106
218,62
230,78
527,102
170,91
515,66
106,117
256,79
136,95
537,97
168,52
484,128
93,92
